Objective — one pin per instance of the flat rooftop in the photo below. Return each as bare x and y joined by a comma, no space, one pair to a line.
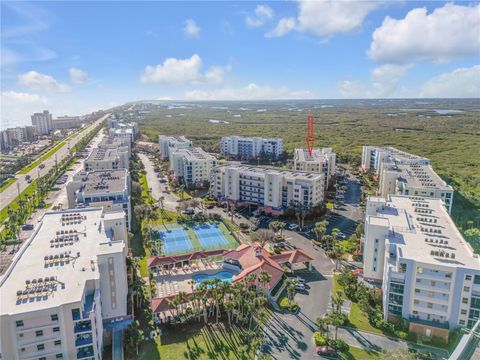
108,142
195,153
98,154
302,154
259,170
423,231
62,252
174,139
251,138
420,176
400,155
104,181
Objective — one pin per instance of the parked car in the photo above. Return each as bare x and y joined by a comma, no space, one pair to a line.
210,206
327,351
162,181
279,244
42,165
342,236
243,226
300,287
188,212
300,280
293,227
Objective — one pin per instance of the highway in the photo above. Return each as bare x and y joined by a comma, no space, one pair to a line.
11,192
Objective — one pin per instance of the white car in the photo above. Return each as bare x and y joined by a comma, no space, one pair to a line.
293,227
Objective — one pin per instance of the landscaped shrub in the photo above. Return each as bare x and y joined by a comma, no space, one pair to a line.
319,339
284,303
340,345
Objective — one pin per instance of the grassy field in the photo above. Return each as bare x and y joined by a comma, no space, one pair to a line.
448,140
195,342
355,353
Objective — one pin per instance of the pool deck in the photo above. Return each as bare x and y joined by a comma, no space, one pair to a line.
171,283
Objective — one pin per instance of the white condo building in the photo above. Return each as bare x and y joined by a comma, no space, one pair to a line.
401,173
106,159
429,273
169,144
192,165
321,161
122,144
273,190
109,189
43,122
65,285
251,147
67,122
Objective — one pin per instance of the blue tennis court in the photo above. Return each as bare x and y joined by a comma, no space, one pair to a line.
175,241
210,235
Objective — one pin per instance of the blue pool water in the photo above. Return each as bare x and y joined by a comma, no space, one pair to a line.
224,276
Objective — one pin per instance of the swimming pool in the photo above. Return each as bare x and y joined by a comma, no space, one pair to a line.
224,276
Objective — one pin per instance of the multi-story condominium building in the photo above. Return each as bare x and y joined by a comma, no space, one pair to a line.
321,161
122,144
401,173
374,156
429,273
43,122
251,147
169,144
106,159
414,179
273,190
122,125
192,166
12,137
127,134
109,189
65,286
67,122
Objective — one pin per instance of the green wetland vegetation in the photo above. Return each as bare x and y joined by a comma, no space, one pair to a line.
451,139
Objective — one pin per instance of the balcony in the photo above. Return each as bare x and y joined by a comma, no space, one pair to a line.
88,306
83,340
437,324
85,352
83,326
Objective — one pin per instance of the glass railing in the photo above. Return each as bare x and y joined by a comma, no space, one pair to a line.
85,352
82,326
84,340
438,324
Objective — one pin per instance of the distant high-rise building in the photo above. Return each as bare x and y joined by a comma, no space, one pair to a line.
43,122
251,147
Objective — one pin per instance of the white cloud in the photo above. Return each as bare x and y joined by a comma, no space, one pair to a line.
18,106
177,71
191,29
77,76
41,82
263,13
449,32
384,82
183,71
326,18
250,92
460,83
216,73
284,26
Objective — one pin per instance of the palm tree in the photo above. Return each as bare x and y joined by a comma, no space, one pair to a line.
335,233
337,301
264,279
290,289
335,319
320,229
321,323
133,335
161,205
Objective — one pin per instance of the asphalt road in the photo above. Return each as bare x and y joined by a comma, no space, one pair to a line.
289,336
11,192
158,189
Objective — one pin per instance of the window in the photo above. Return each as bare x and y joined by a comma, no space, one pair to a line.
57,342
40,347
59,356
56,329
468,277
76,314
42,358
466,288
39,333
465,300
54,317
463,312
20,335
476,279
462,322
22,349
420,270
19,323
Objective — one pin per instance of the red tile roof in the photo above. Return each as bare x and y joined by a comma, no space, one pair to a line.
164,260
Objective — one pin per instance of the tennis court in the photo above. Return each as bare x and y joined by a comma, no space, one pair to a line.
175,241
210,235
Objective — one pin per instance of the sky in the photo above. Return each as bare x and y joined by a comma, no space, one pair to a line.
76,57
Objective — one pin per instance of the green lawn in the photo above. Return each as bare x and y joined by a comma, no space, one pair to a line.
191,342
355,353
14,204
6,184
359,320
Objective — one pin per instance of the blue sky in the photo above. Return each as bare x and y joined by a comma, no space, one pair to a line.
75,57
